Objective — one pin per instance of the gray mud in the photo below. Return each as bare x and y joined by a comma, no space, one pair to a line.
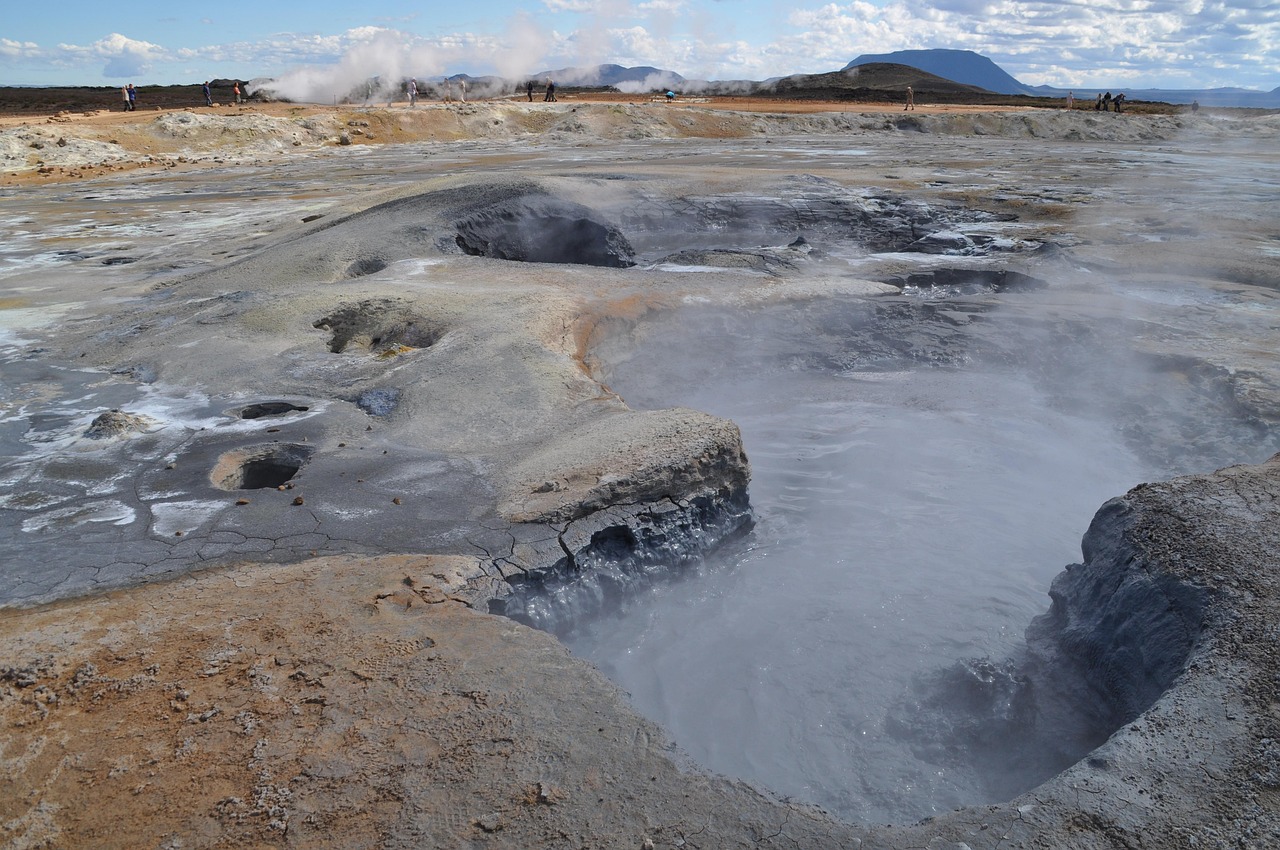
200,376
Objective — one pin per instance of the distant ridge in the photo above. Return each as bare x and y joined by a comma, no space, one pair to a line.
961,66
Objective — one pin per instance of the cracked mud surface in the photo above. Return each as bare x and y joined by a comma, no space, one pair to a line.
296,691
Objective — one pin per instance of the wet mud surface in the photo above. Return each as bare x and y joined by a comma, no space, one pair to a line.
207,376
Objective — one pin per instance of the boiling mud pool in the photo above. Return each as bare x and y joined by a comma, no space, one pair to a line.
906,519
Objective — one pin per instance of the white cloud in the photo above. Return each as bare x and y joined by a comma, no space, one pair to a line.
10,49
568,5
122,56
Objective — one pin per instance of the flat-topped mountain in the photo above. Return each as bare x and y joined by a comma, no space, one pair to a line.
961,66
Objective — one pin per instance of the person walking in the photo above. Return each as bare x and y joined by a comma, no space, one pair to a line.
462,90
208,95
551,91
236,91
413,92
1071,100
1117,100
911,100
124,96
133,97
529,90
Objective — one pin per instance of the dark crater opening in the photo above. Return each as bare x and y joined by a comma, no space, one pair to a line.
543,229
260,467
364,266
382,327
270,408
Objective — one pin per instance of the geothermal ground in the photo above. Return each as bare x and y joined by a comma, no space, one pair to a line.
297,401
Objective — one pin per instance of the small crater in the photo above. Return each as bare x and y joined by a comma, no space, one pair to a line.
541,229
364,266
270,408
260,467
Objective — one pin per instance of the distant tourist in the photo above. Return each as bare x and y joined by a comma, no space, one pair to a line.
1195,106
911,99
447,97
413,92
1098,106
235,89
529,90
1106,102
208,95
124,95
1071,100
133,97
1119,99
462,89
551,91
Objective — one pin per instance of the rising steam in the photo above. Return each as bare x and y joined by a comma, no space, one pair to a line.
379,61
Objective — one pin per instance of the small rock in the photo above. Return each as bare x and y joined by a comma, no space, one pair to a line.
491,822
242,501
396,500
297,500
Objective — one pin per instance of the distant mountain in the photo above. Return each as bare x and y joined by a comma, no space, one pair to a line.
961,66
643,76
876,78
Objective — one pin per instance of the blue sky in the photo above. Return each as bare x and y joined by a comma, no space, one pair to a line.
1082,44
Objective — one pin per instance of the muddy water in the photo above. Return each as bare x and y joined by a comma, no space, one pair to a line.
905,519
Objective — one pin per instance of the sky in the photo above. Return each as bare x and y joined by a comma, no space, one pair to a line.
1084,44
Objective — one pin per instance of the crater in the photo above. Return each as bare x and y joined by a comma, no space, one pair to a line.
543,229
260,467
270,408
364,266
381,327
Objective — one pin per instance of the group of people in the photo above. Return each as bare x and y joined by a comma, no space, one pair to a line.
549,97
130,97
1106,101
208,94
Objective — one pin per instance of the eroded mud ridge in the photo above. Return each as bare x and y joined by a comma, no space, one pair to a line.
366,426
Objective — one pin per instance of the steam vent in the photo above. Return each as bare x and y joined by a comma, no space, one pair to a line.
642,475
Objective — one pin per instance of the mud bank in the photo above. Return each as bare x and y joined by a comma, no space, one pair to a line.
74,146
